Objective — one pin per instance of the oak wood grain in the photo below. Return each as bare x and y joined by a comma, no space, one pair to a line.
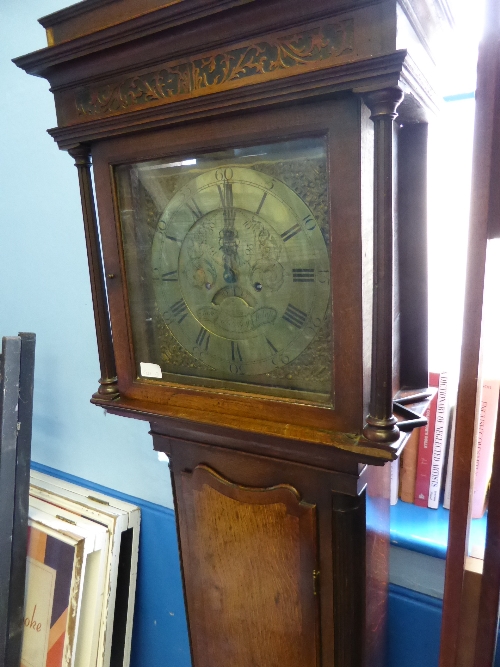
249,556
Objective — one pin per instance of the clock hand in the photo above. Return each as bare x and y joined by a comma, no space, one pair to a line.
228,236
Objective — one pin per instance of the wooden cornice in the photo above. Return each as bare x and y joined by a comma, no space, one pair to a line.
39,63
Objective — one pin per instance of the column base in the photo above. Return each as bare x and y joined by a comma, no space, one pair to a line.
381,430
108,389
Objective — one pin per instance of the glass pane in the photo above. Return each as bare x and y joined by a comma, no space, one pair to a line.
228,273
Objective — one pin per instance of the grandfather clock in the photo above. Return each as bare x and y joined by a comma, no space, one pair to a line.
260,298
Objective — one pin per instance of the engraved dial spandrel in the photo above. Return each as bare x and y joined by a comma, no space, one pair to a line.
241,271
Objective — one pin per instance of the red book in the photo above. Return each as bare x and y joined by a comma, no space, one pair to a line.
425,447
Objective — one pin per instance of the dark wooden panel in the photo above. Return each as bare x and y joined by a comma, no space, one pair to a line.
412,248
348,533
21,499
249,557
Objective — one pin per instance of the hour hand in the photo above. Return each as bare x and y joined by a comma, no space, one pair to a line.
229,275
229,247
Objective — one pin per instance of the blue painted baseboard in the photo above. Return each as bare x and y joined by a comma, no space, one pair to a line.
160,635
414,625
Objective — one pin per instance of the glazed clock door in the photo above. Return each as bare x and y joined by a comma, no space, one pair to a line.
250,566
234,263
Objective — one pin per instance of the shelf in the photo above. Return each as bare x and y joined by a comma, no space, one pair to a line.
426,530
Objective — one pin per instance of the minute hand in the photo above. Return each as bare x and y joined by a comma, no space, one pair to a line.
228,235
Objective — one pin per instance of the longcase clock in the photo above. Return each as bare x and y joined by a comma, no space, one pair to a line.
257,260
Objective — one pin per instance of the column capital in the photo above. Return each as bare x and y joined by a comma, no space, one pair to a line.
383,103
81,155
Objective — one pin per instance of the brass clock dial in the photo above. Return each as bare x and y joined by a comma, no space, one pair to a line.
240,271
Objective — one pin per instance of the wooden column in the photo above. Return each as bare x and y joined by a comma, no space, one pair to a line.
381,423
108,383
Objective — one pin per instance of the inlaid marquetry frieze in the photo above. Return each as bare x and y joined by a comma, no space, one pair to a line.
270,58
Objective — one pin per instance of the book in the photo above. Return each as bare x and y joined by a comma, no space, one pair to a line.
484,442
408,468
440,437
449,464
425,444
122,521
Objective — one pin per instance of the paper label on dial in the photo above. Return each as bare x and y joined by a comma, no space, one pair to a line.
150,370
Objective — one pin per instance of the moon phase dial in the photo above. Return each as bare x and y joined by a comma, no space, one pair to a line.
242,276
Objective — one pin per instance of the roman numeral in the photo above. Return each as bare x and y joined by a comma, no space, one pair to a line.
294,316
180,310
290,233
170,277
195,209
235,352
203,338
271,346
303,275
261,203
309,223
